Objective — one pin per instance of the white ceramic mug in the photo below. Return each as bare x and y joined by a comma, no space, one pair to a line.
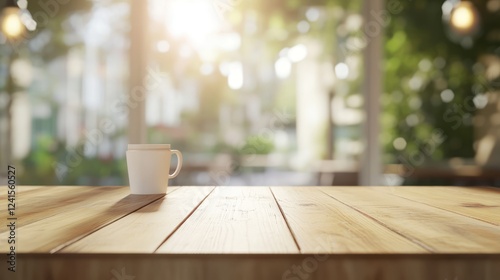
149,166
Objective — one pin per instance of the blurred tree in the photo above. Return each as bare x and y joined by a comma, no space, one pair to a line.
426,74
44,44
429,82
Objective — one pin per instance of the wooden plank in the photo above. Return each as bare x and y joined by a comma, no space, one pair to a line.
485,194
144,230
19,192
36,204
234,220
24,189
256,267
321,224
478,203
436,229
49,234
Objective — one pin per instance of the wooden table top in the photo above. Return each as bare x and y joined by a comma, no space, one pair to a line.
259,226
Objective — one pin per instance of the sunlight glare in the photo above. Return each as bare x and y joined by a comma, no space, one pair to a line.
235,76
163,46
297,53
195,20
283,67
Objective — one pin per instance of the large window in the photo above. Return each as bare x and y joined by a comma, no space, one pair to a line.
252,92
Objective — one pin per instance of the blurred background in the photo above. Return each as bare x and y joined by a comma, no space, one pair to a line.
283,92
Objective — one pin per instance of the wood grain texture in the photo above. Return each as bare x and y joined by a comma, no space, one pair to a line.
255,267
34,204
240,233
144,230
21,192
479,203
25,190
321,224
52,233
433,228
234,220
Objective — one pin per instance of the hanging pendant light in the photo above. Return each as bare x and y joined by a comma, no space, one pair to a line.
11,24
464,18
15,19
463,21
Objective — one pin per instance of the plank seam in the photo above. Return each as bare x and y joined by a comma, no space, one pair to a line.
416,241
184,220
286,221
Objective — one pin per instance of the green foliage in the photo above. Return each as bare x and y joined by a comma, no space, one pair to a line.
259,145
420,63
50,162
50,16
37,168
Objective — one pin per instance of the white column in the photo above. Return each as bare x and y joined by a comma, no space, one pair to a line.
138,63
371,165
312,107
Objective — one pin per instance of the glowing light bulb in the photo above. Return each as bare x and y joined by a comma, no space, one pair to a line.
463,17
12,25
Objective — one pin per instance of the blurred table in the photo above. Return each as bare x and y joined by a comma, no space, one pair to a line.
254,233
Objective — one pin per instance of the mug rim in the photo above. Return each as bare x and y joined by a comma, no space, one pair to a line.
148,146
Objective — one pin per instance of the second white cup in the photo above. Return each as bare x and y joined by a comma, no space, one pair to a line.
148,167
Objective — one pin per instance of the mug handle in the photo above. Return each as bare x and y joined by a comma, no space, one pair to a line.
179,164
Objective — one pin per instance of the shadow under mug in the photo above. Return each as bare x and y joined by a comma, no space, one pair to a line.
148,167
